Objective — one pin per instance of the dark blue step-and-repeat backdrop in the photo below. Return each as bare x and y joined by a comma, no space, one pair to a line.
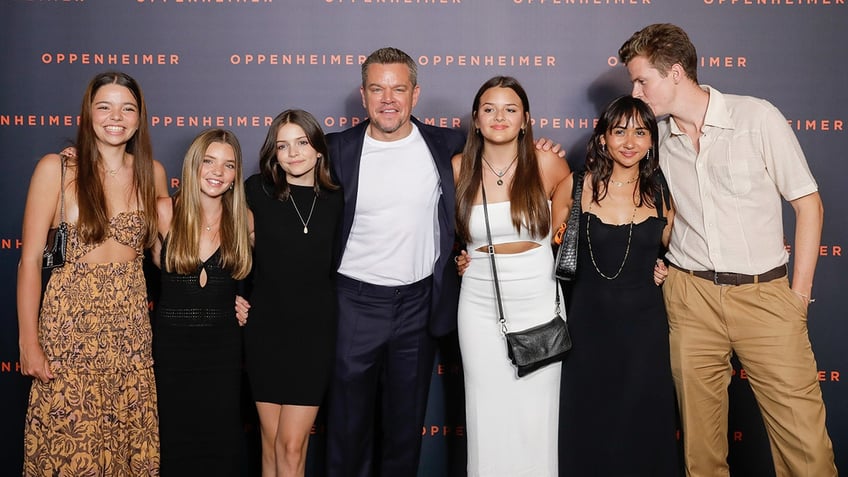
237,63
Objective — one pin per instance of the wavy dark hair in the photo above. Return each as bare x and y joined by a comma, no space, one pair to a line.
528,201
599,162
271,170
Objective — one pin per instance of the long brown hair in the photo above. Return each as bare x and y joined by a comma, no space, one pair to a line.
528,201
270,168
183,252
93,221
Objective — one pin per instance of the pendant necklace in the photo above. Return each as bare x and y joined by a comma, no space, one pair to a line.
208,227
622,184
502,172
114,172
311,209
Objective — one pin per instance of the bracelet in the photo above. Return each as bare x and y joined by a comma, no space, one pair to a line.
806,297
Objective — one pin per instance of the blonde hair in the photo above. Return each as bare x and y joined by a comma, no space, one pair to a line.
183,251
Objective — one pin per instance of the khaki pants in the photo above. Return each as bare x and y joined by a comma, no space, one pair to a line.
765,325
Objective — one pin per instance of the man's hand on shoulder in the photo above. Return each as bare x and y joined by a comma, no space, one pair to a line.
545,144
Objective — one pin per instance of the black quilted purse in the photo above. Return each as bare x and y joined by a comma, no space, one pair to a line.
57,237
565,265
534,347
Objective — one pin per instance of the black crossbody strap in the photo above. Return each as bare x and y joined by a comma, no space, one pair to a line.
491,251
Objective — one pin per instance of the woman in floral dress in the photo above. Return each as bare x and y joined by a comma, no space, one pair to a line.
92,406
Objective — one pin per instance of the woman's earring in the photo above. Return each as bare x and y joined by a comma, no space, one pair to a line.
477,131
603,147
522,131
232,184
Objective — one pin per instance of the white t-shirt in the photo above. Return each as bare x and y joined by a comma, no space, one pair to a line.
394,236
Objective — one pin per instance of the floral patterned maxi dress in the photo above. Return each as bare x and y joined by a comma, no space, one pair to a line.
98,416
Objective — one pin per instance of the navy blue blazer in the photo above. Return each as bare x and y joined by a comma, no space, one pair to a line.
345,150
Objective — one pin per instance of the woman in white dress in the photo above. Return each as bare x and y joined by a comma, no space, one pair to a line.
511,422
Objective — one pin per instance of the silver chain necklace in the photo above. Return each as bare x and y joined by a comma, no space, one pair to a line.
501,173
626,251
311,209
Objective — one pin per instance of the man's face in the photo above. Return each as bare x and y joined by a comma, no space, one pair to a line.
389,96
649,85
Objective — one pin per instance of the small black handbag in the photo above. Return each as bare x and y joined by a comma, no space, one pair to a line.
535,347
565,265
57,237
540,345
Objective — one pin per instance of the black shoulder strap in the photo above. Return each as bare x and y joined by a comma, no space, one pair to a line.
577,186
663,196
63,159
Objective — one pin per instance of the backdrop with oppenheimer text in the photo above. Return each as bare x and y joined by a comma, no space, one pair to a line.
237,63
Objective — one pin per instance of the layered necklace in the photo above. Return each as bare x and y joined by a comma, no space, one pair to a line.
622,184
626,250
502,172
309,217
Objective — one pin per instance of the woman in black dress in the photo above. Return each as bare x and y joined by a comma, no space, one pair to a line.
203,250
290,338
617,407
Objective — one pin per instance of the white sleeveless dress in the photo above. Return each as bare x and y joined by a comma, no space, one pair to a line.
511,422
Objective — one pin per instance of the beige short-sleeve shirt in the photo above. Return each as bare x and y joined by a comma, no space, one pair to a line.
728,196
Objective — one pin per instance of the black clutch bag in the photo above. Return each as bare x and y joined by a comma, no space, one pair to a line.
565,265
57,237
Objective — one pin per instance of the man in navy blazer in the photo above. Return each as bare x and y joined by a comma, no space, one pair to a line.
397,284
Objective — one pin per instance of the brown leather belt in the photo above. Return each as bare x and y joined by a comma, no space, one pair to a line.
730,278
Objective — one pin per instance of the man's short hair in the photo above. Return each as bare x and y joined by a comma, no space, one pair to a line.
388,56
663,44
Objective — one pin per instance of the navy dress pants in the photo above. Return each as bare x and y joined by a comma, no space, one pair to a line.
384,356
